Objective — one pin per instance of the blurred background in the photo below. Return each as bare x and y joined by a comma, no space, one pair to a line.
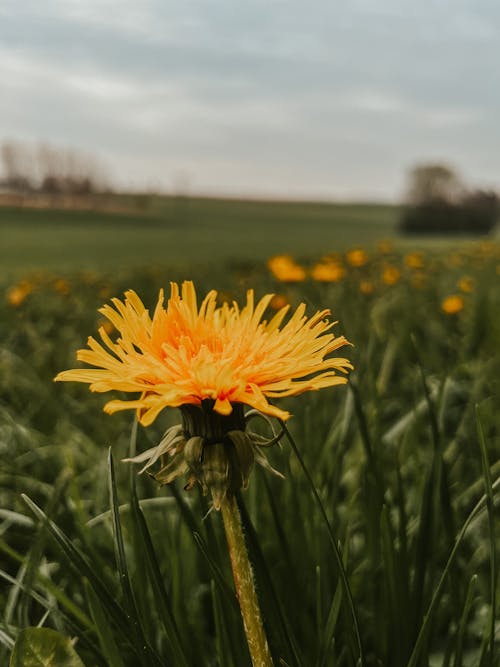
157,113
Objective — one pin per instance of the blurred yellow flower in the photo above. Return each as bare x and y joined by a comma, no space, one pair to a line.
466,284
414,260
186,354
366,287
452,304
16,294
278,301
62,286
327,272
356,257
285,269
390,275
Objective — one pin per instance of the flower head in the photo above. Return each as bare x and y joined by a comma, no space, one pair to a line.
285,269
357,257
391,275
453,304
186,354
328,272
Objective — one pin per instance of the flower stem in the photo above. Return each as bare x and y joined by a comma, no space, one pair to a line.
244,583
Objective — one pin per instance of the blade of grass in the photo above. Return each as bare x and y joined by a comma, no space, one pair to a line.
335,547
82,568
103,629
327,642
490,508
157,583
145,652
223,645
462,626
73,627
424,629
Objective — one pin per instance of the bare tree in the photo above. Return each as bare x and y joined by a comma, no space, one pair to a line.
18,166
432,183
51,170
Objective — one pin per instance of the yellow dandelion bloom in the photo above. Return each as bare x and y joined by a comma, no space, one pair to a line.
327,272
185,354
390,275
16,294
414,260
366,287
357,257
286,270
466,284
452,304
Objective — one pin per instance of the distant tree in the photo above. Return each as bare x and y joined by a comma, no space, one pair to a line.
51,170
432,183
437,202
18,167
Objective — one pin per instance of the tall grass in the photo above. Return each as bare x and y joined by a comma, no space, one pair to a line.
378,548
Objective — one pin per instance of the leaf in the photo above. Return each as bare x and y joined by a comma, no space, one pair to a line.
43,647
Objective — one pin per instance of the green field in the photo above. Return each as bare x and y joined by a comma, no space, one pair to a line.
178,230
403,462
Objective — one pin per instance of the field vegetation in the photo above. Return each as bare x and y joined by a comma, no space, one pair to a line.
380,546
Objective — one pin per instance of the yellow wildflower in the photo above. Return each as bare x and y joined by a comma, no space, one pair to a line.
286,270
16,294
188,355
357,257
366,287
414,260
390,275
327,272
466,284
452,304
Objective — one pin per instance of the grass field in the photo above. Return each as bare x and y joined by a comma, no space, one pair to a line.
403,462
176,230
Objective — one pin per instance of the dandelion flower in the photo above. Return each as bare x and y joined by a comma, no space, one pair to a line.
453,304
391,275
285,269
466,284
366,287
327,272
414,260
185,354
357,257
17,294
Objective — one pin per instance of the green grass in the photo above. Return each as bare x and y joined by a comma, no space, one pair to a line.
399,470
180,230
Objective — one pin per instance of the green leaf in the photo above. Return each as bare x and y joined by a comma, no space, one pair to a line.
43,647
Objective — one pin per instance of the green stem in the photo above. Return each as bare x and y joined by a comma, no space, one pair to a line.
244,583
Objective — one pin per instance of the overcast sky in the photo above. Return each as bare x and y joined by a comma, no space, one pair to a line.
333,99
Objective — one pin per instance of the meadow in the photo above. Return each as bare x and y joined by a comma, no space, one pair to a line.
380,545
